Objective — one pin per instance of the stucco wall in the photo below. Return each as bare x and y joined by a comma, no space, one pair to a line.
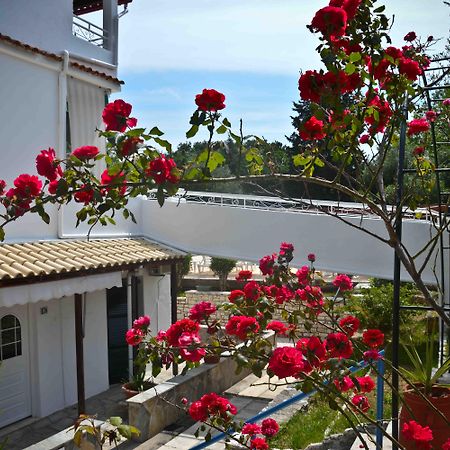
157,301
53,352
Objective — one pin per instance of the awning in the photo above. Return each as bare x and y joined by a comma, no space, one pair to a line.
32,293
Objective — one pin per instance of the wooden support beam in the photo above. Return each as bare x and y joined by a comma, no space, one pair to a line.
79,353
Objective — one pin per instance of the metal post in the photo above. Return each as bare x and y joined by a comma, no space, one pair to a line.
397,268
174,301
79,353
380,403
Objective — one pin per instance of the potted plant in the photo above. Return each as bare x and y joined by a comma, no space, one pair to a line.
138,382
425,401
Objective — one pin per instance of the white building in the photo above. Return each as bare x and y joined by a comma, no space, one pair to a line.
57,70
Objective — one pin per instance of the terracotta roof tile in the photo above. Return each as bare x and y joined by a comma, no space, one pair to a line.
55,57
44,259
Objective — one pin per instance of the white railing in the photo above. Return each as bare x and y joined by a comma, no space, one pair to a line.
88,31
279,204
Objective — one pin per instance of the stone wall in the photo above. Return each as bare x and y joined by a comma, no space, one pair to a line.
217,297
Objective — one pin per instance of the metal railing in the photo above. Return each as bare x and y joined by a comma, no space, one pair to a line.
279,204
88,31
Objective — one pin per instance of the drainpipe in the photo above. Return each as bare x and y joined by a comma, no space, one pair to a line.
62,123
129,322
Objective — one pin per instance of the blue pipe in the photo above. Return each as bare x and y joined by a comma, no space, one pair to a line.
380,403
276,408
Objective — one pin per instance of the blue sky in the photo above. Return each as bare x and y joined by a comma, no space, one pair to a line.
251,50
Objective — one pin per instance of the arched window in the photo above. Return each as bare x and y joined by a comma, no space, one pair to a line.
10,337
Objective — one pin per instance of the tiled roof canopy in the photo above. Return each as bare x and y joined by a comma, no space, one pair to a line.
46,259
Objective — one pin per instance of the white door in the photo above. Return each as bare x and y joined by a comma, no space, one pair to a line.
15,398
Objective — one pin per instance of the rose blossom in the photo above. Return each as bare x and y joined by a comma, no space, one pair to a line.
286,362
266,264
373,338
2,186
446,102
142,322
411,36
130,145
27,186
162,169
277,327
338,345
235,295
252,290
202,310
244,275
117,181
344,384
85,152
417,126
409,68
189,352
211,405
446,445
371,355
46,165
312,129
311,257
330,21
259,443
418,151
420,435
349,324
431,116
366,384
134,337
269,427
210,100
116,116
251,429
181,326
242,326
343,282
361,402
84,195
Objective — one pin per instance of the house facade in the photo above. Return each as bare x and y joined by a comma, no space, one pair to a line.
65,302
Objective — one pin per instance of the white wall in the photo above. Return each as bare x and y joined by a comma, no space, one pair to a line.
248,235
53,352
157,301
46,24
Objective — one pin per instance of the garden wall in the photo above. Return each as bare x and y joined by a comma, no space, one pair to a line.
217,297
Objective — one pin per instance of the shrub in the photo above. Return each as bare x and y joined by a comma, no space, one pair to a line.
222,267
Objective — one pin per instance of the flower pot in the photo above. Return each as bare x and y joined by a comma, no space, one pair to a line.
211,359
130,390
422,413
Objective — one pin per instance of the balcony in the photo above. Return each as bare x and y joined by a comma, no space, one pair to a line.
88,31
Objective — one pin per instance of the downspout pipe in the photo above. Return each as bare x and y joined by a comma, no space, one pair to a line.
130,322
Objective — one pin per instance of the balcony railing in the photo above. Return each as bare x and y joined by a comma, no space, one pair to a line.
88,31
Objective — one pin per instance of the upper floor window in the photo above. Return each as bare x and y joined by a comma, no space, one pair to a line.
10,337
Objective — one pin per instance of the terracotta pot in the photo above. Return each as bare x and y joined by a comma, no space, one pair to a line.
423,414
130,390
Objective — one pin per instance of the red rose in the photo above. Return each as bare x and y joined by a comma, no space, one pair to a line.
244,275
86,152
350,7
286,248
311,85
338,345
303,275
84,195
115,181
350,325
189,353
178,328
162,169
266,264
277,326
142,322
252,290
284,294
330,21
2,186
417,126
344,384
373,338
418,151
210,100
313,349
394,52
116,116
311,257
235,295
366,384
27,186
286,362
251,429
130,145
242,326
384,114
421,436
211,405
198,411
361,402
312,129
431,116
259,443
52,187
364,139
409,68
371,355
269,427
46,165
343,282
411,36
201,311
446,102
446,445
134,337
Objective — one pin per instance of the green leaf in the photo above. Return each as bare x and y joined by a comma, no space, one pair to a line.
163,143
160,197
115,421
380,9
215,159
62,187
300,160
193,174
226,122
135,132
2,234
354,56
350,68
155,131
318,162
124,431
222,129
192,131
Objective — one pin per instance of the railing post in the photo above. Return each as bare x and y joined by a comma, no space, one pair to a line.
111,27
380,403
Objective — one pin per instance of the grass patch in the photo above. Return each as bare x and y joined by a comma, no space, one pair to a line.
318,422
